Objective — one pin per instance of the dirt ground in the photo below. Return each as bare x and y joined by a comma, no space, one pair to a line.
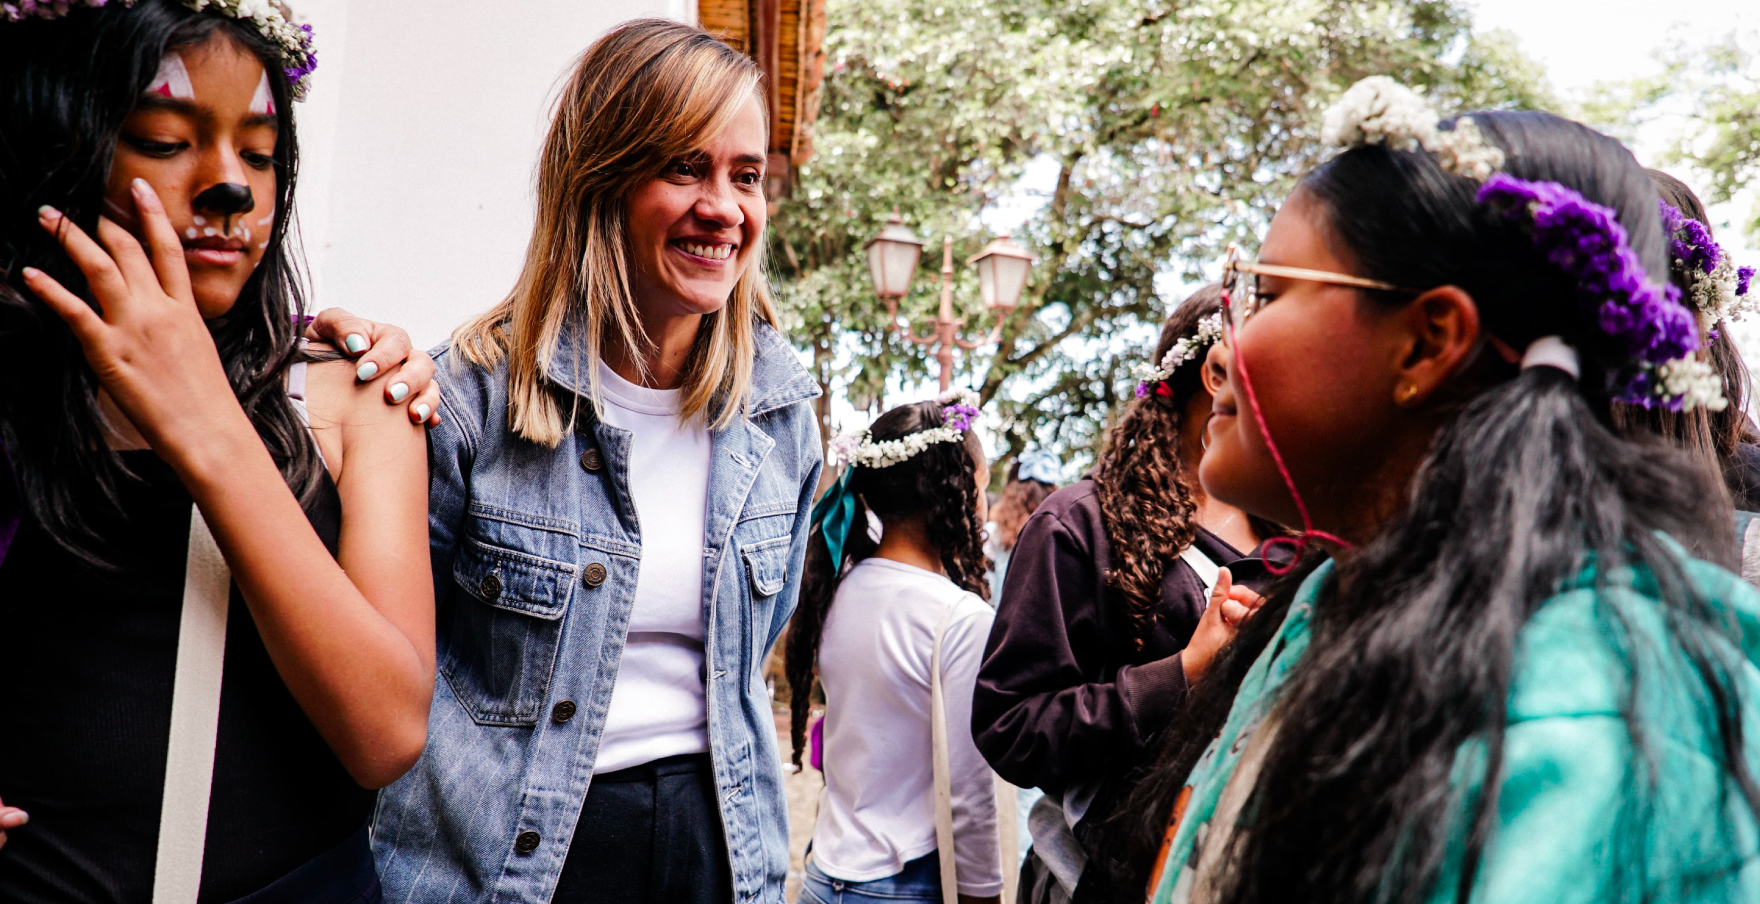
802,789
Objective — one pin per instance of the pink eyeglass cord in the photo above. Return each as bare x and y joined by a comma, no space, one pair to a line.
1302,541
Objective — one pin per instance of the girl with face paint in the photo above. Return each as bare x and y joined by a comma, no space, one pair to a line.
148,331
1523,674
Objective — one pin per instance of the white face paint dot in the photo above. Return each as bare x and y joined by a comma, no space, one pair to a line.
266,220
190,232
210,231
247,233
201,221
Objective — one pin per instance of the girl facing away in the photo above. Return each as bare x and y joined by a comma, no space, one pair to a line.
155,395
875,619
621,481
1524,674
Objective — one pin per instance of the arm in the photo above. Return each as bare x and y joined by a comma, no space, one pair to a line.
974,786
357,657
1041,713
790,595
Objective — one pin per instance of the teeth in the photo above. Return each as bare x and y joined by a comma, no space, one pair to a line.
713,252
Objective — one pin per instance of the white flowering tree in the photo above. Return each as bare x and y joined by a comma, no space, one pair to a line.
1172,129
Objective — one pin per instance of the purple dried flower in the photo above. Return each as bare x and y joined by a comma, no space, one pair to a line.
1586,241
959,416
1142,390
1744,276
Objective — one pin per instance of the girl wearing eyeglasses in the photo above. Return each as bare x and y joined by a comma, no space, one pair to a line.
1524,673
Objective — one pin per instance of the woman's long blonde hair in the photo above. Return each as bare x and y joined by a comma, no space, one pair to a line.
647,93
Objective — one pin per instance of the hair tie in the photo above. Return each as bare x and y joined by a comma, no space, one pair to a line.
1551,351
833,514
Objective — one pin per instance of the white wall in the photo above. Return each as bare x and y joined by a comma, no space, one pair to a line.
419,143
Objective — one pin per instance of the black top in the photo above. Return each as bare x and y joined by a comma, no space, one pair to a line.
85,717
1062,700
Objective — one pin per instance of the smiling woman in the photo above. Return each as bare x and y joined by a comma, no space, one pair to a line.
621,485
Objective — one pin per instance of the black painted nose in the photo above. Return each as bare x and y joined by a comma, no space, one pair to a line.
226,199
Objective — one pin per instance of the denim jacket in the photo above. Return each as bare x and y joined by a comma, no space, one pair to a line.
536,554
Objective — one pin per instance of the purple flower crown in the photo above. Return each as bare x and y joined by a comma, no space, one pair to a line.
299,58
1718,289
1651,332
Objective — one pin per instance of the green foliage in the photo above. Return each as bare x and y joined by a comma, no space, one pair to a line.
1173,128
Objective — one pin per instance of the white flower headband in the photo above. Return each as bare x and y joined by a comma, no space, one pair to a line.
959,410
1186,348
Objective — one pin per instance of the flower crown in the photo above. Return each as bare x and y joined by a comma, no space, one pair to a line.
1184,349
1645,322
1718,289
959,410
270,17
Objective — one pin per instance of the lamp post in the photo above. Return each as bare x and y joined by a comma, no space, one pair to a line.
1002,276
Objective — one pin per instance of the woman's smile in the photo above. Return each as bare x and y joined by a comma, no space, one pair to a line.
706,252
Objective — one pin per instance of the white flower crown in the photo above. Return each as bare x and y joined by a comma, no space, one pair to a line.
1184,349
959,408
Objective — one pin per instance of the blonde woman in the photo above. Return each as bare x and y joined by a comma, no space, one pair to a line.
621,481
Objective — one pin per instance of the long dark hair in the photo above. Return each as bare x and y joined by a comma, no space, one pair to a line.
66,86
1524,486
1715,434
1146,498
941,481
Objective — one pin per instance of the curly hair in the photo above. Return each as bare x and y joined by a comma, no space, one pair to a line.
943,482
1020,499
1146,498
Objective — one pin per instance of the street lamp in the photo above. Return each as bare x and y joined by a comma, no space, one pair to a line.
1002,276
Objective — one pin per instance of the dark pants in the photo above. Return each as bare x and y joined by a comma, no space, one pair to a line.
649,833
342,875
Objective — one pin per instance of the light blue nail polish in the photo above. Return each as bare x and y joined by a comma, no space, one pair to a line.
355,343
422,411
366,371
398,391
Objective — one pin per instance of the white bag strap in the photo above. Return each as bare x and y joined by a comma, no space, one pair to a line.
195,718
1207,570
1007,831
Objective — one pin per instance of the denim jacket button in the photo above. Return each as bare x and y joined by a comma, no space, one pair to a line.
591,460
490,586
594,575
526,842
562,712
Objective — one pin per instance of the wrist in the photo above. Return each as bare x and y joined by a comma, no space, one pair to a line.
205,450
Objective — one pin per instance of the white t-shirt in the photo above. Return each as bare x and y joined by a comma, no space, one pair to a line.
877,811
657,704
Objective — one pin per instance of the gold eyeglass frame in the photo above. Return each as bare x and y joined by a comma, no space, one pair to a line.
1232,264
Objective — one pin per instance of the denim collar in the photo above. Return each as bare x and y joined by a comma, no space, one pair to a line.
778,378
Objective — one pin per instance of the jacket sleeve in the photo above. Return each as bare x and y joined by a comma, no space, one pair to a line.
1044,713
975,828
797,547
452,450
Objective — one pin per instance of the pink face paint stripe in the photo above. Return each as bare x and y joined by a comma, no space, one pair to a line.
263,101
173,79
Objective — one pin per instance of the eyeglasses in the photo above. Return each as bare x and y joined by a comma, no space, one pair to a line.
1241,308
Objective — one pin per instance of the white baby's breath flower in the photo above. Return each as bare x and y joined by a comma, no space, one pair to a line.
1694,381
1379,110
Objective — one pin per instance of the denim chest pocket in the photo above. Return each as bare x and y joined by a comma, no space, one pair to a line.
500,629
766,564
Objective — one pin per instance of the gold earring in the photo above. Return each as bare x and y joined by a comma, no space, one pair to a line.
1407,392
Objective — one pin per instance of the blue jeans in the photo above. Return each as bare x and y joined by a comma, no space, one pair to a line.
920,881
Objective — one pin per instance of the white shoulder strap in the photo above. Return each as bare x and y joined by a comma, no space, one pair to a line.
195,718
1207,569
1007,832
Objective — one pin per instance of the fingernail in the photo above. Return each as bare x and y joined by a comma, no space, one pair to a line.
32,273
14,819
366,371
398,391
422,411
47,213
355,343
140,185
